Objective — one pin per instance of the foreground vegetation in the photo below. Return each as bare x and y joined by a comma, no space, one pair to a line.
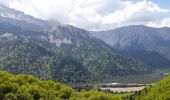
26,87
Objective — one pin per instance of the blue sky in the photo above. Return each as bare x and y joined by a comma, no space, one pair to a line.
97,14
161,3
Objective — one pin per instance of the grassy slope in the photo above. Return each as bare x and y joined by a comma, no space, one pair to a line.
158,91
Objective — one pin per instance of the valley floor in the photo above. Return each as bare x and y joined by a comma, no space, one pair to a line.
124,89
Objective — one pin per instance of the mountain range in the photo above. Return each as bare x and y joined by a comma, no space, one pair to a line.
64,53
146,44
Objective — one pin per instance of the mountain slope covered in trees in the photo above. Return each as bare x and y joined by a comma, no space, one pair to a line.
138,41
87,59
63,53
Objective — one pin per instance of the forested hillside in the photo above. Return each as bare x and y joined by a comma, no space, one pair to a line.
147,44
63,53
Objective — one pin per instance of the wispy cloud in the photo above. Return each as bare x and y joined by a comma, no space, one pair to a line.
165,22
92,14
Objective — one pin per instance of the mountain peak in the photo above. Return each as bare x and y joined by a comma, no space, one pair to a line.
18,18
134,26
6,11
3,6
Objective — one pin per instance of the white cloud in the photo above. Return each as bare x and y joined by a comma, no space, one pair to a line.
163,23
91,14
